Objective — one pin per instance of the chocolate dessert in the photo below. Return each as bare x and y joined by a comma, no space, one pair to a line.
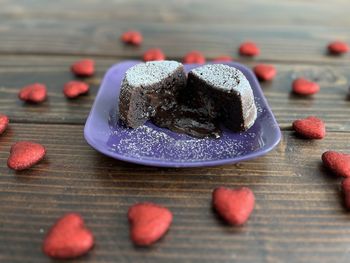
225,93
188,119
150,87
214,94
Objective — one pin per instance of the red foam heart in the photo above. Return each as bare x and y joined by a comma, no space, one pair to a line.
338,163
4,121
34,93
249,49
223,59
346,191
153,54
338,48
310,127
132,38
305,87
194,57
84,68
68,238
148,223
234,205
24,155
265,72
73,89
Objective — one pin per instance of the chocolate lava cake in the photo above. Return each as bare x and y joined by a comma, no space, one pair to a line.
150,87
226,94
211,95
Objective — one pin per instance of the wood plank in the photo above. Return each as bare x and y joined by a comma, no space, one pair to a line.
241,12
331,103
298,217
93,28
18,71
278,42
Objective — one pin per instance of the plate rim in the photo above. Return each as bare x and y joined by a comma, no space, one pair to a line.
177,164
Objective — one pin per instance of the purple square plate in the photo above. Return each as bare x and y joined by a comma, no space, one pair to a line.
154,146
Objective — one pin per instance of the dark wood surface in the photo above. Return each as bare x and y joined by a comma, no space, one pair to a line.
299,214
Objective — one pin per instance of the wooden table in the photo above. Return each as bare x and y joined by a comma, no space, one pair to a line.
299,214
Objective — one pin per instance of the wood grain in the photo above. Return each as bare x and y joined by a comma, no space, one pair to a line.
101,38
286,31
54,72
331,104
299,214
254,12
298,210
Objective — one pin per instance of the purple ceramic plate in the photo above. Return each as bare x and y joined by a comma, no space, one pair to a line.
151,145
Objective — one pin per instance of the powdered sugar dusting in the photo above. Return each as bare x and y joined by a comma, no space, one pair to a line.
151,72
224,77
258,105
153,143
144,141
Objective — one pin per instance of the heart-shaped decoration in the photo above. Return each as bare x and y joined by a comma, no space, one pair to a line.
305,87
132,38
74,89
234,205
84,68
265,72
148,223
310,127
153,54
68,238
194,57
346,191
249,49
4,121
338,48
24,155
34,93
223,59
338,163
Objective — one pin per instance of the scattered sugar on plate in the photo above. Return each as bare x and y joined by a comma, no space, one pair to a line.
153,143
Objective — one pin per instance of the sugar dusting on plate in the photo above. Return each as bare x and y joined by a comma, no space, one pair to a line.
151,145
146,140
